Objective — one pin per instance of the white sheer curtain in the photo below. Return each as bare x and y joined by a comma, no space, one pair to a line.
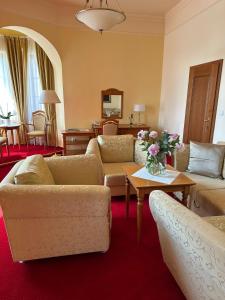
33,82
7,98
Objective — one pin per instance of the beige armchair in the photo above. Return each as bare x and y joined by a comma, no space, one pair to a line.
39,127
193,247
115,152
69,217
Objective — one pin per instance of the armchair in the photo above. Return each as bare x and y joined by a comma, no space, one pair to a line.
115,152
39,127
69,217
4,141
193,248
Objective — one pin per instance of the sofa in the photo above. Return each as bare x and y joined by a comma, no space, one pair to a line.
62,210
115,152
207,197
193,247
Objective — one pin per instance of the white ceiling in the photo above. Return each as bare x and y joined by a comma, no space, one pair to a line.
147,7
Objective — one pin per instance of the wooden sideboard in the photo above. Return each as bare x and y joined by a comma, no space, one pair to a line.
122,129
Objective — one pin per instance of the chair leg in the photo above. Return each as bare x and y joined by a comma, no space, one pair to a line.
7,148
1,150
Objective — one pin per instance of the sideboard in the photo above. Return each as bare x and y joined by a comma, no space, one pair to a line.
122,129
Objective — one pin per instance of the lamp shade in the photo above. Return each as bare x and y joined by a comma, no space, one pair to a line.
49,97
139,107
100,19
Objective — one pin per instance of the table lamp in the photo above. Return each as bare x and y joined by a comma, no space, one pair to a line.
139,108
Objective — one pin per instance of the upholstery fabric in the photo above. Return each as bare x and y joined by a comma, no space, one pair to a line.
206,159
76,169
119,148
71,217
114,173
36,133
181,159
34,170
217,221
193,249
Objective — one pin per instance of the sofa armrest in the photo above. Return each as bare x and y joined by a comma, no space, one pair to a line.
181,159
139,155
93,148
42,201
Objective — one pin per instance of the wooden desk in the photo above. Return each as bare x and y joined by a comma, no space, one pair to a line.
77,140
143,186
10,126
122,129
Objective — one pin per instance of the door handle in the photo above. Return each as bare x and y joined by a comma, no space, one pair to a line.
207,120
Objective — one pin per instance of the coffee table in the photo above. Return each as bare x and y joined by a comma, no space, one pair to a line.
142,186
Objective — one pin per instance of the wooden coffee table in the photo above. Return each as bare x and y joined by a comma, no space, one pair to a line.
142,186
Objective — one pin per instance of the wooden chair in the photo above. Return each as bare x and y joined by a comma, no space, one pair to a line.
39,124
3,141
110,127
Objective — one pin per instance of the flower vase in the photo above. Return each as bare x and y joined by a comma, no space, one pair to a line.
156,168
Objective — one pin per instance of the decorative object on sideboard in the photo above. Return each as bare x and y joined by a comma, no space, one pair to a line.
139,108
158,146
100,18
131,119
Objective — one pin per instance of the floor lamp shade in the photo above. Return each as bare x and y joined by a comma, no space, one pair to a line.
49,97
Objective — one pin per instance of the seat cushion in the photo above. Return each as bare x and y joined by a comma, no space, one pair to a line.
217,221
36,133
206,159
114,173
116,149
34,170
3,140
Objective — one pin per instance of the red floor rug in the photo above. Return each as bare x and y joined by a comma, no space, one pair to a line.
17,154
127,271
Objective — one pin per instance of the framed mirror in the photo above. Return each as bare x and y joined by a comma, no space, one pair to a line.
112,104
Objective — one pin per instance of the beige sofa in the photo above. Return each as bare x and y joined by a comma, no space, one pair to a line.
207,197
69,217
115,152
193,247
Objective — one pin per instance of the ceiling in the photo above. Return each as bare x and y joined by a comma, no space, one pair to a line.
147,7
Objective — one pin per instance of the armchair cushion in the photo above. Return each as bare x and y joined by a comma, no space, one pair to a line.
206,159
119,148
34,170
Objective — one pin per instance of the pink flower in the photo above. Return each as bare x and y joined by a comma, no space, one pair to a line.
153,134
173,136
153,149
142,134
179,147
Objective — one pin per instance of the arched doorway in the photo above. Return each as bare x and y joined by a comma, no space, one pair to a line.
57,65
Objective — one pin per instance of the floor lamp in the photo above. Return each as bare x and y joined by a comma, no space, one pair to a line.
50,97
139,108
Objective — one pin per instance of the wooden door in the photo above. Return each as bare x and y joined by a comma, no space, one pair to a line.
203,90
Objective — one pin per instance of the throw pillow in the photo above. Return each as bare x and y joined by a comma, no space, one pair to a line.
34,170
116,148
206,159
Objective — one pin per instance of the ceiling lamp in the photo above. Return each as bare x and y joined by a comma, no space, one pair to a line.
100,18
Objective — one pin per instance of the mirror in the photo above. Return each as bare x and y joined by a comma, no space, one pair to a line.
112,104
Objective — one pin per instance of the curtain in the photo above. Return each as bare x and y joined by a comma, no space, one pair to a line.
17,57
47,81
34,87
7,99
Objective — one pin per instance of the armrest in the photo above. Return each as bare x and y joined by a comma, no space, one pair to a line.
181,159
139,155
93,148
43,201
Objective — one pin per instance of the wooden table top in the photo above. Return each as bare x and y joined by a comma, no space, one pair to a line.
181,179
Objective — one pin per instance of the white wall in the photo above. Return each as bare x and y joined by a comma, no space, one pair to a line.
197,40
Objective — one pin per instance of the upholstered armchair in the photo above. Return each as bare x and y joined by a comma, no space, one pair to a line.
70,216
115,152
3,141
193,247
38,127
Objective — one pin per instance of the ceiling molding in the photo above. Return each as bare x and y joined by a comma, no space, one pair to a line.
54,14
185,11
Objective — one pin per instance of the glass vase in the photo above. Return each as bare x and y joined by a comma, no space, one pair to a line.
156,167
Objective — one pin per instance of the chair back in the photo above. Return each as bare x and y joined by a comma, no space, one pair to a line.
39,120
110,127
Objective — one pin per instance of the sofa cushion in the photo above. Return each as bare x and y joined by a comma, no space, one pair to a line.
114,173
34,170
118,148
210,203
206,159
217,221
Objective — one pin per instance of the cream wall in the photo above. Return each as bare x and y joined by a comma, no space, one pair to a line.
197,40
92,62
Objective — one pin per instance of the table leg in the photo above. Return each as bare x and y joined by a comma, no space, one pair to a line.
127,196
140,199
186,192
18,136
12,136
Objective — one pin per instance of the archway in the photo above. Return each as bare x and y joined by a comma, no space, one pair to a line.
57,66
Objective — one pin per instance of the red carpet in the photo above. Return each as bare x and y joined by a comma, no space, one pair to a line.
126,272
17,154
